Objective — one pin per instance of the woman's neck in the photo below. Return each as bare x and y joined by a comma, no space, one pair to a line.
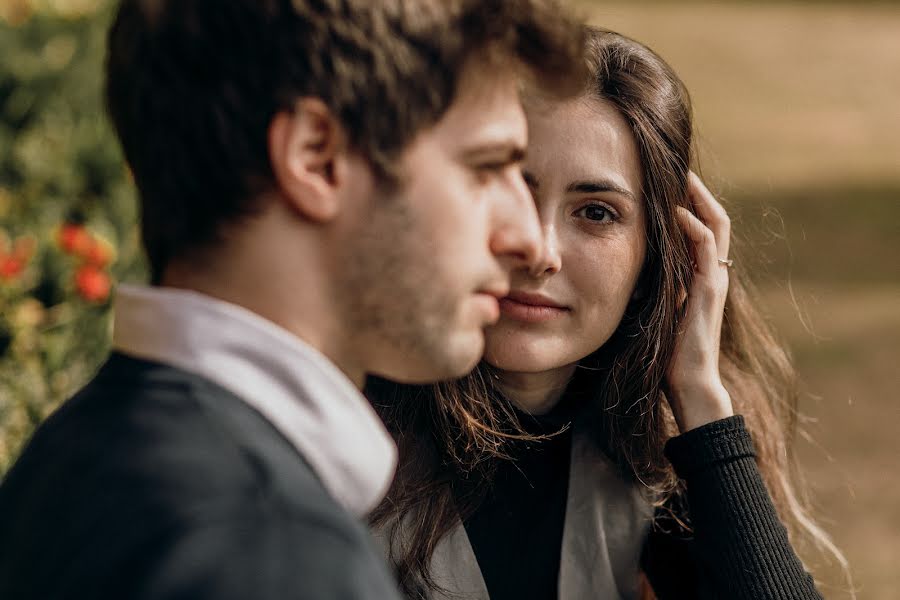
536,393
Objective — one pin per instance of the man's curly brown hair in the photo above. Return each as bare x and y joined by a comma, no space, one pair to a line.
192,86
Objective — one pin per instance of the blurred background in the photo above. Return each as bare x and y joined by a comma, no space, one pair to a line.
798,112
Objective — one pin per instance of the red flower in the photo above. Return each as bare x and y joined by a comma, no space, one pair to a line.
74,239
11,267
100,253
92,283
13,263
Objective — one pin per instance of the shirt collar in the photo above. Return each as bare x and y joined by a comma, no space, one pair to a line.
295,387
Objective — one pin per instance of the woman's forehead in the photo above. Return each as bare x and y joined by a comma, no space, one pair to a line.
582,139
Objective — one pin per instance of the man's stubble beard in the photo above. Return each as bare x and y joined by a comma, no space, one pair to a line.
394,294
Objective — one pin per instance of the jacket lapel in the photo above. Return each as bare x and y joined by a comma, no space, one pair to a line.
607,520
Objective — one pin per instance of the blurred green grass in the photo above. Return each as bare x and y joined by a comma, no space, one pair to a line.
840,235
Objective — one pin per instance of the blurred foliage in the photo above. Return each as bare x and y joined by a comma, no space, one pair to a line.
67,209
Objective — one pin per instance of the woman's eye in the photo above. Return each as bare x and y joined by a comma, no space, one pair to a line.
597,213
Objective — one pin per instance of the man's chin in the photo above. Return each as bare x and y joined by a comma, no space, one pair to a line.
451,361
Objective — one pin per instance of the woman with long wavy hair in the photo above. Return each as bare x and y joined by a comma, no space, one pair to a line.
627,434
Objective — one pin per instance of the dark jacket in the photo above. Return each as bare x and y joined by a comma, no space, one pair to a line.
153,483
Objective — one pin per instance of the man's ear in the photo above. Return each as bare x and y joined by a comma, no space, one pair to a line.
305,147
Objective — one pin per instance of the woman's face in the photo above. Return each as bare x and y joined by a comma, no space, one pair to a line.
584,170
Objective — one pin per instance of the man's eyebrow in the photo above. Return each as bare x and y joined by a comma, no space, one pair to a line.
507,152
595,186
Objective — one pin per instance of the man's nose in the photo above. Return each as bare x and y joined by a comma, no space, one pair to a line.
516,236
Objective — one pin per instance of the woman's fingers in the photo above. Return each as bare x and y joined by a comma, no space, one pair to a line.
711,212
703,240
695,389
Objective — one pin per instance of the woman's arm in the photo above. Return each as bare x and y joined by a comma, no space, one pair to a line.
738,547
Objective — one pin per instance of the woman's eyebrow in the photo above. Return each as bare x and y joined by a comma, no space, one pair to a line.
597,186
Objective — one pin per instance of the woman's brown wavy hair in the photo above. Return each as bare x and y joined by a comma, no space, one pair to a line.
452,435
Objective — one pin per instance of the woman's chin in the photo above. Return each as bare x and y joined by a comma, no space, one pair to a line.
521,357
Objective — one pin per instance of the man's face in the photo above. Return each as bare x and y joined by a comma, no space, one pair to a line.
427,261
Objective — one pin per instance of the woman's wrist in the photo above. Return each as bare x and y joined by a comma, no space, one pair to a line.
699,405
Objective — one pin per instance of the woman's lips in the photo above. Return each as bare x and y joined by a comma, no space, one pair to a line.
530,309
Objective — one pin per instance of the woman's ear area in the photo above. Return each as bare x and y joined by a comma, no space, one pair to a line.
306,150
642,286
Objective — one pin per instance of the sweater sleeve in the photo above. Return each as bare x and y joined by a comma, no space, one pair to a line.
739,548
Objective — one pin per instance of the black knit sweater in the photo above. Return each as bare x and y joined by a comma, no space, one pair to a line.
738,548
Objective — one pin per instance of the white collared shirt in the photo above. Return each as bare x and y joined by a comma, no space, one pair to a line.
303,394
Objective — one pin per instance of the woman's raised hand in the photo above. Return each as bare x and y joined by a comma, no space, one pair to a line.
693,383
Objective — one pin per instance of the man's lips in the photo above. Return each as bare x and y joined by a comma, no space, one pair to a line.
531,308
489,299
